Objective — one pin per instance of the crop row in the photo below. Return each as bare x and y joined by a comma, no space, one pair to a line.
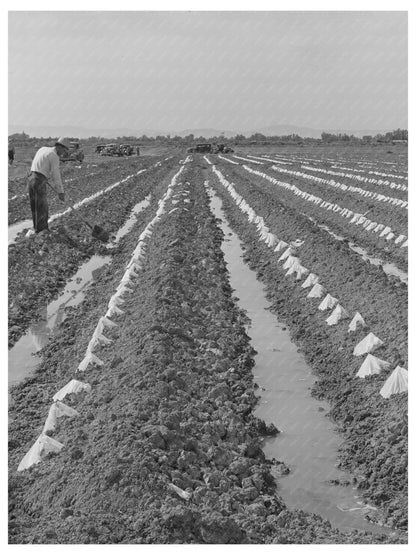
376,195
84,184
375,428
291,261
39,268
376,236
165,448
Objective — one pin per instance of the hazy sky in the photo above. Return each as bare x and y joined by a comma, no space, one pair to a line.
227,70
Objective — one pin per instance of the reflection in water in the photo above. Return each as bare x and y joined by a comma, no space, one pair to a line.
132,219
39,332
22,356
307,444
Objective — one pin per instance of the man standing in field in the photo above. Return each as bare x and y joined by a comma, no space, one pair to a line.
45,166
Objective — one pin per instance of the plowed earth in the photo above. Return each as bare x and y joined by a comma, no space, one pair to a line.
393,216
376,428
79,182
173,404
39,267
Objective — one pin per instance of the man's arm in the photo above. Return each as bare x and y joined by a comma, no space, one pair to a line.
56,175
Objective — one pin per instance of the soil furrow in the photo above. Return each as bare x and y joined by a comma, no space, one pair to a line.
375,429
40,266
166,448
371,241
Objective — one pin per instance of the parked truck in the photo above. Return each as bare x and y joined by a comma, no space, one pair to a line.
201,147
75,153
126,149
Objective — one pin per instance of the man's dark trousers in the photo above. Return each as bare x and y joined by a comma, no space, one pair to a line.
38,201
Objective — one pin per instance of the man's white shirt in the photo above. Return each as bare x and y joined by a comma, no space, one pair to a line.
46,162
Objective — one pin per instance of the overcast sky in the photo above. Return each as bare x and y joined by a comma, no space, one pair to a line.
225,70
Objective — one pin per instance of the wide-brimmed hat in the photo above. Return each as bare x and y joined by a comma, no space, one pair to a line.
62,142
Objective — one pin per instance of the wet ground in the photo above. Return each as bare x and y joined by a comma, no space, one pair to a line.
307,443
175,403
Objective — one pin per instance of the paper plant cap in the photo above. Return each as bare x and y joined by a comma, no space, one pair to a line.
290,260
89,358
328,302
116,299
99,336
123,289
339,313
129,274
301,271
399,239
74,386
271,240
106,322
372,365
42,446
113,309
312,279
135,264
287,253
57,410
317,291
357,321
280,245
397,382
385,231
369,344
292,268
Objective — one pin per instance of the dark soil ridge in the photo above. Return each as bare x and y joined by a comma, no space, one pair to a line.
371,241
359,285
83,185
376,210
165,409
375,429
374,158
371,187
40,267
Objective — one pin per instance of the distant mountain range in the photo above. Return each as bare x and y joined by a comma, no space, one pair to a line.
83,132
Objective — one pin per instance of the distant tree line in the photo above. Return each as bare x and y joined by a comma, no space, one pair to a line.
23,139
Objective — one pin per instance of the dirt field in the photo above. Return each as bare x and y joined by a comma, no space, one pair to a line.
165,447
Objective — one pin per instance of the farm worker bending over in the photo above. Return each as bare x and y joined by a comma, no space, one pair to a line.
45,166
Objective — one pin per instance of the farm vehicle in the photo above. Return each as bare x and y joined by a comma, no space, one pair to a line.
127,150
113,149
224,149
210,148
75,153
201,147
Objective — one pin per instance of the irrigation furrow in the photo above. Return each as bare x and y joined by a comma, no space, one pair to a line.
381,236
53,260
329,349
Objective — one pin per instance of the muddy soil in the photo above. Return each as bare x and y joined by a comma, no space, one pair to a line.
40,266
375,429
79,182
396,219
388,158
172,407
